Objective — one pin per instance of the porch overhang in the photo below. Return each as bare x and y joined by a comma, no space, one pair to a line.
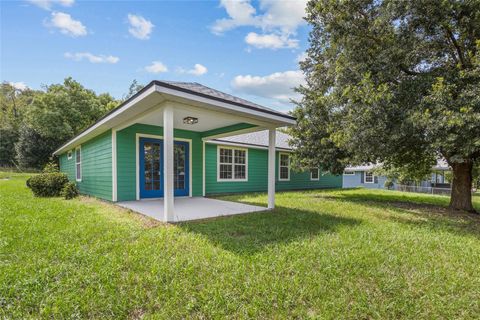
215,113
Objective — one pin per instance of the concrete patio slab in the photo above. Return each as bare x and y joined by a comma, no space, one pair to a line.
187,209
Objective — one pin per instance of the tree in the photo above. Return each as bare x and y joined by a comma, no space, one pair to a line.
133,89
13,105
55,116
391,81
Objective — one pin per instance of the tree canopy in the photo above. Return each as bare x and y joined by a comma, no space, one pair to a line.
391,81
35,123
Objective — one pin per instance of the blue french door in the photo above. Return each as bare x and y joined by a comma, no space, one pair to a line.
151,168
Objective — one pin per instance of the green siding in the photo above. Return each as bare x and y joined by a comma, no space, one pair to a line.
126,158
96,166
258,175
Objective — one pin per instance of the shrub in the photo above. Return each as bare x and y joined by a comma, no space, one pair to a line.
69,191
51,167
47,184
389,184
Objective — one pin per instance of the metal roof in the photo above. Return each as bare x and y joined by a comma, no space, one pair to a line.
259,138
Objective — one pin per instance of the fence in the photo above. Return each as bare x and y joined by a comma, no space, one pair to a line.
419,189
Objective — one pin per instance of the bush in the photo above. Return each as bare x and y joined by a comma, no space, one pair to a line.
69,191
389,184
47,184
51,167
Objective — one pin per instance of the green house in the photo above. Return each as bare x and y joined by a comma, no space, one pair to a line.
177,139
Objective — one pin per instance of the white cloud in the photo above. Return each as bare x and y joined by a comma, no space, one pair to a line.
18,85
140,27
79,56
67,24
47,4
278,85
280,17
270,41
156,67
197,70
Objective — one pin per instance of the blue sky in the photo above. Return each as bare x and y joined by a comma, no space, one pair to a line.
246,48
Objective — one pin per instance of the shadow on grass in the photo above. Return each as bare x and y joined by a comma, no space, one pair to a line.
417,211
250,233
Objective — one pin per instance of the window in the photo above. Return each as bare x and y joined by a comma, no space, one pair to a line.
284,167
69,155
314,174
369,178
78,164
348,173
232,164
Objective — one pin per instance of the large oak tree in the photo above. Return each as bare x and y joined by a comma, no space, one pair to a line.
392,81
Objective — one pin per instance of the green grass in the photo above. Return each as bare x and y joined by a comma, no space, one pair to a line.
321,254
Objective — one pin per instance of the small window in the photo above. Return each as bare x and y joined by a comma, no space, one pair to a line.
369,178
232,164
284,167
348,173
78,164
69,155
314,174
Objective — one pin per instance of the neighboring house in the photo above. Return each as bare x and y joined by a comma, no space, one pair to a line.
178,139
363,176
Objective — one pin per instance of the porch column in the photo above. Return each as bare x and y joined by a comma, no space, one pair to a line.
168,202
271,168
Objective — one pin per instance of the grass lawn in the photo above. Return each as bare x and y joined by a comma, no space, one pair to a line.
320,254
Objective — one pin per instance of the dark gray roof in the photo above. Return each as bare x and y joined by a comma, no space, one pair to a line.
259,138
200,89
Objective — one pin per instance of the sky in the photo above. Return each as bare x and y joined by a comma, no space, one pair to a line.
246,48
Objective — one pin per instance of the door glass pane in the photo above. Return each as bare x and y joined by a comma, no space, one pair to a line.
179,166
151,151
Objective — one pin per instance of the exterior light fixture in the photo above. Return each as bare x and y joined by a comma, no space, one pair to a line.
190,120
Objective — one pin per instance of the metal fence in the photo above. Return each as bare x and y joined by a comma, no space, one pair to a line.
419,189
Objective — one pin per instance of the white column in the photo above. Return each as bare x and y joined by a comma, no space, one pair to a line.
271,168
168,164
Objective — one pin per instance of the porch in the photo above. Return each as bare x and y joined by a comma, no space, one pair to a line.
187,209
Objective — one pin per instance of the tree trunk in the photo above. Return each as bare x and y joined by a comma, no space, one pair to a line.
461,198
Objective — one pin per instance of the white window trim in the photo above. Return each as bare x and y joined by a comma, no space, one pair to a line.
233,164
69,155
279,166
315,179
365,178
78,163
348,173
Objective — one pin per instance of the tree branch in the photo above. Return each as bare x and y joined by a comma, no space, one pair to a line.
451,37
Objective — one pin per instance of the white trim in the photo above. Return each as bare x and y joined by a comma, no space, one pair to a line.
78,163
318,172
244,145
365,177
279,166
348,173
272,136
114,165
107,118
203,168
226,105
137,160
233,164
69,155
233,133
255,114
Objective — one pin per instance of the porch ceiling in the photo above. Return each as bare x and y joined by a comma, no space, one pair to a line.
207,119
213,111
